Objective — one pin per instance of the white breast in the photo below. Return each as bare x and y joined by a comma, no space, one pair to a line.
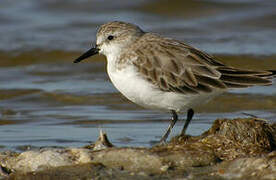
131,85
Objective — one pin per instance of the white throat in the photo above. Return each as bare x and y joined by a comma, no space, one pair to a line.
112,54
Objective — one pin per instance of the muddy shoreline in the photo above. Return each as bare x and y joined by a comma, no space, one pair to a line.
230,149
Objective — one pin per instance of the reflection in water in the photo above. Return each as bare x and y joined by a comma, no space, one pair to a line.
46,100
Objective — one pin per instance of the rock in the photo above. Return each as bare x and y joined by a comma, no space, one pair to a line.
239,148
46,158
101,143
82,171
250,168
131,159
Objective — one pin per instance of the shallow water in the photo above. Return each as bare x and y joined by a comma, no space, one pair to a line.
46,100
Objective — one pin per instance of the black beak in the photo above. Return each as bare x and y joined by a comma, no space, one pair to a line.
87,54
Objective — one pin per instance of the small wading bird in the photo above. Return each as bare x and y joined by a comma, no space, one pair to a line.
166,74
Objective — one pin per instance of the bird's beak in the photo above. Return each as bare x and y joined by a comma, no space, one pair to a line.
90,52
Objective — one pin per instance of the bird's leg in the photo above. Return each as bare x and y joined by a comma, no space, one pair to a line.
172,123
190,115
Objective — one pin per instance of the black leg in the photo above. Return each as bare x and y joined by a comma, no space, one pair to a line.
172,123
190,115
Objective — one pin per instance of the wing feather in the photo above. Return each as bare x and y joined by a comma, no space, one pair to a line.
174,66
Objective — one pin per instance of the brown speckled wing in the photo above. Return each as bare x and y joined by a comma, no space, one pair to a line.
174,66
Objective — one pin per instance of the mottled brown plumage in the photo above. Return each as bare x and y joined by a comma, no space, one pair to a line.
174,66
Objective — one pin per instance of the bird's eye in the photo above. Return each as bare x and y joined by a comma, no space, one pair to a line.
110,37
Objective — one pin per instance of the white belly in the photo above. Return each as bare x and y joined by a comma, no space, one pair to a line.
143,93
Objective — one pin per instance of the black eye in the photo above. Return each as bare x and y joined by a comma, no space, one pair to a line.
110,37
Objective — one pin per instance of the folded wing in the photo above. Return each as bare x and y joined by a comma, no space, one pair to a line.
174,66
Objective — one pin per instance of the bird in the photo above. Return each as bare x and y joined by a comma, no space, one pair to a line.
166,74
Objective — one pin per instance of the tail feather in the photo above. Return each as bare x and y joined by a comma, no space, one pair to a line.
272,74
238,78
235,85
246,80
240,72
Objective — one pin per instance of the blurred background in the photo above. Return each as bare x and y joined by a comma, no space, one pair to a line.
46,100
